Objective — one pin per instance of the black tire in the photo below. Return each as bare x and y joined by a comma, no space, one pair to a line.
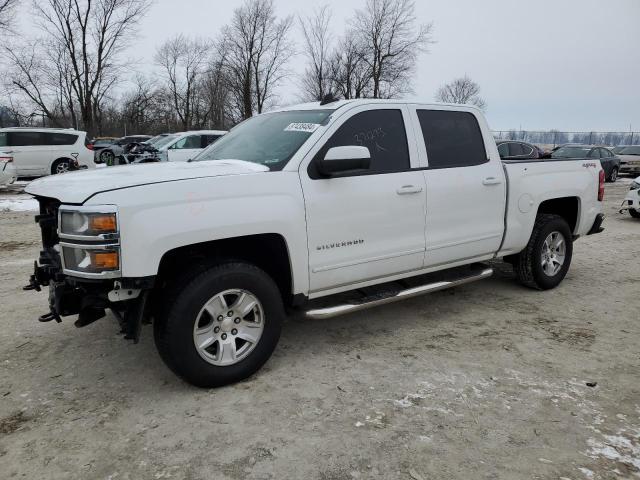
634,213
107,157
528,264
61,165
613,176
173,331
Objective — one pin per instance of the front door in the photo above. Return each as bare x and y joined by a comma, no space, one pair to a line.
185,149
366,226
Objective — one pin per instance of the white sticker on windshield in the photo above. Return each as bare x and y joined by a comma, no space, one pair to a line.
302,127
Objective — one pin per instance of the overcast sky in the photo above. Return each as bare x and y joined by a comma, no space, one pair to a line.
565,64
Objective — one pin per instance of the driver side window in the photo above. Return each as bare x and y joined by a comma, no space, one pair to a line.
381,131
192,141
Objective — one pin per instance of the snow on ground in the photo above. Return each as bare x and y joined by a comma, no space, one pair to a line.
18,203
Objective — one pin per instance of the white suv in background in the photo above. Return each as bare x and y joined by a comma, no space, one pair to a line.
45,151
180,147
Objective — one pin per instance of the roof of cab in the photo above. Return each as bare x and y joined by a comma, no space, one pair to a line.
364,101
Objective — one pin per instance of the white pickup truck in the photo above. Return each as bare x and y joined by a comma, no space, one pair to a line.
325,208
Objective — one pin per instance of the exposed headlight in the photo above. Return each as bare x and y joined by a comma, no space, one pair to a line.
634,186
89,241
83,222
91,260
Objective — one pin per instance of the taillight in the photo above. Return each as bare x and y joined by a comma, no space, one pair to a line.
6,159
601,186
90,146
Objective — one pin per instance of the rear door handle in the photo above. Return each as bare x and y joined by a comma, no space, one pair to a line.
408,189
491,181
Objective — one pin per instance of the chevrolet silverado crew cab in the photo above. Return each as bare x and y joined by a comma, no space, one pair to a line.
325,208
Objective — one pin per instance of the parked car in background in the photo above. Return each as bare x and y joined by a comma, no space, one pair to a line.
617,149
610,163
8,173
630,159
186,145
110,152
515,150
45,151
632,200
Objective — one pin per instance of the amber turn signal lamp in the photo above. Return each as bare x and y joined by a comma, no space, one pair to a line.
105,260
103,223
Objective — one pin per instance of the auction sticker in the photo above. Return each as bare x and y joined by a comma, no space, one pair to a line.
302,127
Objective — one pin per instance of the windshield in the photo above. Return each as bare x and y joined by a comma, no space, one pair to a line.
164,141
571,152
270,139
635,150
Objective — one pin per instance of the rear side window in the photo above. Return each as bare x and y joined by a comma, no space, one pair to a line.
24,139
3,139
452,139
59,138
595,153
515,149
382,131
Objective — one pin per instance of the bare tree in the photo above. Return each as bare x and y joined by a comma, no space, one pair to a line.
392,42
316,79
461,90
350,74
183,62
216,95
91,35
7,9
256,48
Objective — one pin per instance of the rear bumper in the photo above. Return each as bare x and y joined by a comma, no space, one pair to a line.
597,224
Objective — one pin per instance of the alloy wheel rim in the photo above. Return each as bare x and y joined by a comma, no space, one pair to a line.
62,167
228,327
554,250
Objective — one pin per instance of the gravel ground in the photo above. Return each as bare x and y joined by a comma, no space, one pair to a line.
489,380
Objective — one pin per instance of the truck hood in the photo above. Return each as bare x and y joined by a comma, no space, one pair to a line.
77,187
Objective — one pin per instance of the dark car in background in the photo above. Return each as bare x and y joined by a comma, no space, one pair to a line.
515,150
610,163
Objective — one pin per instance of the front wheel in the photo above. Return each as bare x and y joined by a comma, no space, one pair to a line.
613,176
545,261
222,326
634,213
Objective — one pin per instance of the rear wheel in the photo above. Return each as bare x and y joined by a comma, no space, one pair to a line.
613,176
221,326
634,213
60,166
545,261
107,157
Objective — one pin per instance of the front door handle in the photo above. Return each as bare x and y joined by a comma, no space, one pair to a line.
408,189
491,181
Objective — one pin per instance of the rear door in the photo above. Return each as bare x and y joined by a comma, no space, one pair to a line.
466,191
365,226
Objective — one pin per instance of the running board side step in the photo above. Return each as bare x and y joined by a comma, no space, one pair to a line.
334,311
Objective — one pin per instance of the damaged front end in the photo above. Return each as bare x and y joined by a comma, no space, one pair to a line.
80,263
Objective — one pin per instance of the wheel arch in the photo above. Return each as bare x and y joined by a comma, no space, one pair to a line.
565,207
268,251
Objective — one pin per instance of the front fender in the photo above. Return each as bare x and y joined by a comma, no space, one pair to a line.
157,218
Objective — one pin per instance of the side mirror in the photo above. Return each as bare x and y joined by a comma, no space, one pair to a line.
350,158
